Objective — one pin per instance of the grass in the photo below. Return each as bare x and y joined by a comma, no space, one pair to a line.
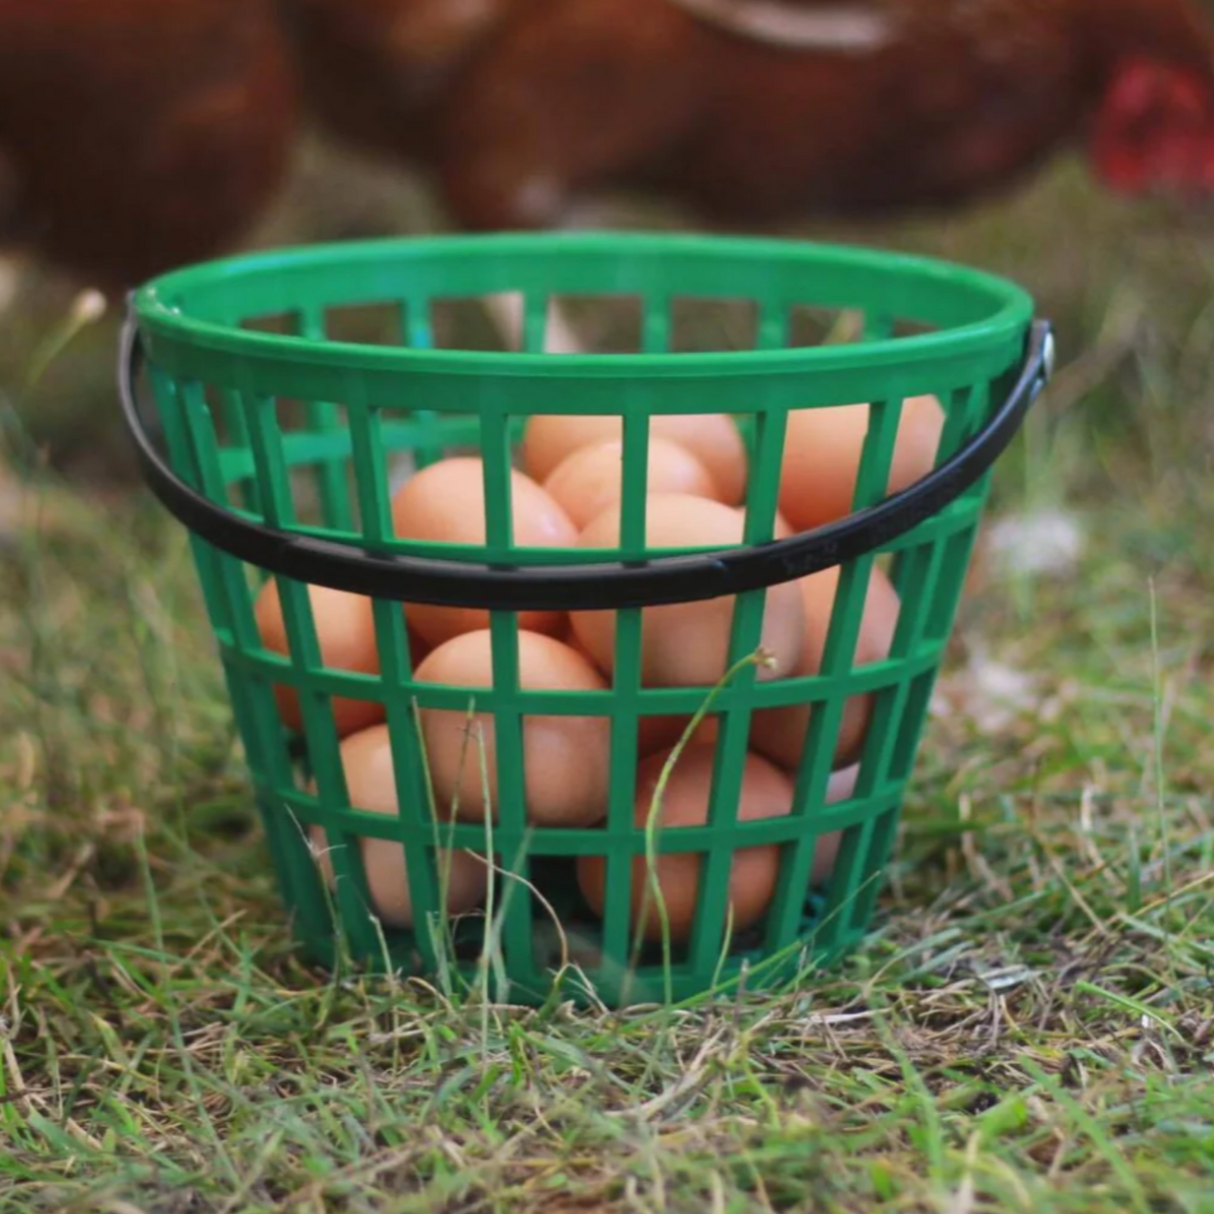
1029,1028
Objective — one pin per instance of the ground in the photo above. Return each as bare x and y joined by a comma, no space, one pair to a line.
1029,1028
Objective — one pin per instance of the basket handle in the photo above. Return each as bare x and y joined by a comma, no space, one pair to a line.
586,587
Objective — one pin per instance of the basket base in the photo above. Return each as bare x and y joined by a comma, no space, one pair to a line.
586,979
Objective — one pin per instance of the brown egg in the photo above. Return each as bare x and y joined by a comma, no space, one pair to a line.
687,644
664,733
418,649
779,733
367,761
766,793
822,457
445,503
345,631
712,438
566,759
591,479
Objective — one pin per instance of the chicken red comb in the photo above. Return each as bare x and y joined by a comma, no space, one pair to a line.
1155,130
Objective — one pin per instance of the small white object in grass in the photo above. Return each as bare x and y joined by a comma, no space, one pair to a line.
992,694
89,306
1007,977
834,1019
844,28
1042,542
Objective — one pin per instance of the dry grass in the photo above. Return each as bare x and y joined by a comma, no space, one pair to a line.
1030,1027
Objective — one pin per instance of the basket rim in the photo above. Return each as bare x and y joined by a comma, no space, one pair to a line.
157,308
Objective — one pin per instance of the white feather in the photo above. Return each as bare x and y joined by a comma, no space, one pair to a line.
845,28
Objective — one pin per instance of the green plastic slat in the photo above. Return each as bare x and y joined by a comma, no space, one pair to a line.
187,429
366,426
878,325
510,834
413,330
626,694
746,634
656,321
880,845
535,322
316,708
325,418
848,878
192,441
238,445
809,797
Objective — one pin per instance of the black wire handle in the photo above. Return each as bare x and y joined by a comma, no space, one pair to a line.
609,586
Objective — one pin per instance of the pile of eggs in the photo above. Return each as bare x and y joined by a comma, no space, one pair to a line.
568,496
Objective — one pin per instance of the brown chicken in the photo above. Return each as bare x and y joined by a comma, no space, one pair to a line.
377,73
759,110
139,134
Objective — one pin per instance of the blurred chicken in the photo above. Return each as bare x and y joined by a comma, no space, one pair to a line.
761,110
378,73
139,134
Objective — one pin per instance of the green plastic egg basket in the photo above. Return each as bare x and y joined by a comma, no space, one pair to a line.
280,432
